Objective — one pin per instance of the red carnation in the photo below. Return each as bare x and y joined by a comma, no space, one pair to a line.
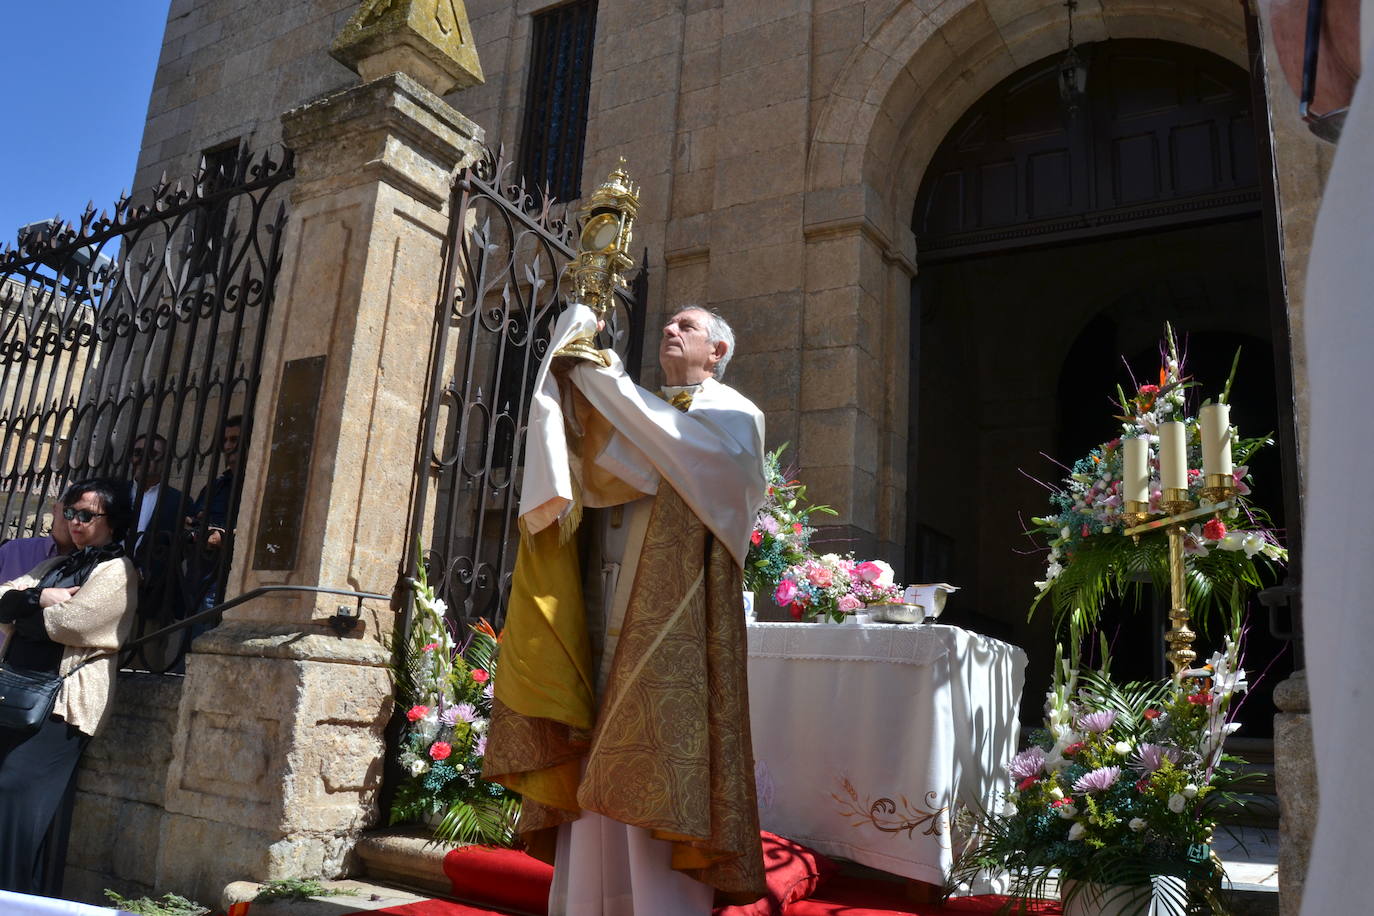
480,675
797,527
795,608
416,713
1074,748
1214,530
1025,784
1151,714
440,750
756,538
1202,698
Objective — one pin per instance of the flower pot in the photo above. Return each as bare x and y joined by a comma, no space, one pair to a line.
1085,898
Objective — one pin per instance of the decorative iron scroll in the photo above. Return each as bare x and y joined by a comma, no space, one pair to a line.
127,326
503,287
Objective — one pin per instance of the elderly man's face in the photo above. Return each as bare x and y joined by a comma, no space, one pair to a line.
684,352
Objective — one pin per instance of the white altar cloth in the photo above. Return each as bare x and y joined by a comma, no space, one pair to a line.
13,904
869,738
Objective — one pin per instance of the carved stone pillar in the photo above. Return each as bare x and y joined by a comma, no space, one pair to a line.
279,752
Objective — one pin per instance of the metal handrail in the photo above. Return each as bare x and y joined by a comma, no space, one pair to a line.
218,610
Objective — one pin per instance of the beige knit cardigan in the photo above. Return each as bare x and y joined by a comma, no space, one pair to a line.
94,621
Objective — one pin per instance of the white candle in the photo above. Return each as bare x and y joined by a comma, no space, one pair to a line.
1216,439
1135,472
1173,456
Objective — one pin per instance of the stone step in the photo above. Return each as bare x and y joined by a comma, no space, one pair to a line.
404,857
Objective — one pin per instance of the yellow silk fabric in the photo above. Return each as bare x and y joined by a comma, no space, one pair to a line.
546,667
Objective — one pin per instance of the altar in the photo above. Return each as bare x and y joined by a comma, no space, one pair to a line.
868,738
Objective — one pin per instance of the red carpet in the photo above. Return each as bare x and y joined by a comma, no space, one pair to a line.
510,882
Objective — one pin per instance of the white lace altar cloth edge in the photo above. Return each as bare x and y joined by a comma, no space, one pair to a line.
869,738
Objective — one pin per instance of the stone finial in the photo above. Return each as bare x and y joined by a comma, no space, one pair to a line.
428,40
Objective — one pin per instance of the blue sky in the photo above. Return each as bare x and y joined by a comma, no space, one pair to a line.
76,77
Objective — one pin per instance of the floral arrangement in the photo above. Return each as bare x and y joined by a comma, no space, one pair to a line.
1120,787
445,689
781,564
1089,559
833,586
782,529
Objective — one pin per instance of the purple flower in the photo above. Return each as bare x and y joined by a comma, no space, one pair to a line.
480,747
1095,722
1027,764
462,712
1098,780
1150,757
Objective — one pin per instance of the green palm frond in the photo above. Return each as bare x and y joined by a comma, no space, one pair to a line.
488,821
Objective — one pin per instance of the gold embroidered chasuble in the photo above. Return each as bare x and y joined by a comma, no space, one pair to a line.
669,748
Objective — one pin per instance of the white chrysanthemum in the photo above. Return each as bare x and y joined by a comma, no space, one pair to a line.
1177,803
1190,791
1122,747
1137,824
1077,831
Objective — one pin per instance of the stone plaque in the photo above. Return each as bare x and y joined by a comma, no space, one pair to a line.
288,466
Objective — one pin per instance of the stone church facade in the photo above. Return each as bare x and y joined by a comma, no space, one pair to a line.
782,147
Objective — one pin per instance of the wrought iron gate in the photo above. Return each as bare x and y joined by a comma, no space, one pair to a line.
129,345
505,257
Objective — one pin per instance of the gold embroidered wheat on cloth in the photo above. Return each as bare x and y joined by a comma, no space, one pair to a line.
668,746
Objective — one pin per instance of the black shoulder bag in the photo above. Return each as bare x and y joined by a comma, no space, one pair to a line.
27,697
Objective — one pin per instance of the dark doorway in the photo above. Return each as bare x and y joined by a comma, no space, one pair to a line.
1053,247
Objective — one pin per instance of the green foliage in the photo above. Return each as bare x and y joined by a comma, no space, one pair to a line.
1122,787
299,889
166,905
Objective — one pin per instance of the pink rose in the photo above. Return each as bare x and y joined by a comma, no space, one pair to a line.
849,604
821,576
875,571
786,591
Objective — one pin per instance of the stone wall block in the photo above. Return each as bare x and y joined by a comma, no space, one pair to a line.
760,176
741,15
770,380
767,128
760,86
764,323
828,437
832,378
754,225
757,271
772,42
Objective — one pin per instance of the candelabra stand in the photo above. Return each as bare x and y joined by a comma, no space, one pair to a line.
1178,511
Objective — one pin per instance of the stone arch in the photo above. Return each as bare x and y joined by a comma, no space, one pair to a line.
902,89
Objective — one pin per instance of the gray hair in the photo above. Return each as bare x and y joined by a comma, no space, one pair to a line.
717,329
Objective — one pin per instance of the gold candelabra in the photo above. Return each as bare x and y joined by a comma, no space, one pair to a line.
1178,511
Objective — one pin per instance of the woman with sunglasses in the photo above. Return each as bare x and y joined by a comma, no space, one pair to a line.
64,612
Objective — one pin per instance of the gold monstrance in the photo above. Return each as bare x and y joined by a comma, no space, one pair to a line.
608,220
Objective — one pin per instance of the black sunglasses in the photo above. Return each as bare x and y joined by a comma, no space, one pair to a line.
84,516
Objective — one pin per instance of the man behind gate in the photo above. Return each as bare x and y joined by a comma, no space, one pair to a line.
621,708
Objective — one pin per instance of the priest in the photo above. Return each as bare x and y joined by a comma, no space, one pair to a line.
621,709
